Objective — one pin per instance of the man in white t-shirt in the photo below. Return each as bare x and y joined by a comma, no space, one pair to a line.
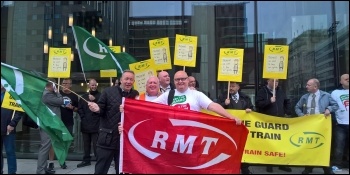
187,98
194,100
341,133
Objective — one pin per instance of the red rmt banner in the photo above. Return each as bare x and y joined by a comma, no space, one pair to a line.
160,139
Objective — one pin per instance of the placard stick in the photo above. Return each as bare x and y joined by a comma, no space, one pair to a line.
58,88
184,69
228,90
110,79
274,88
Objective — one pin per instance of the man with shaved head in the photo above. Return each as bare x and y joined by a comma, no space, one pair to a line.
316,101
192,99
152,89
341,131
164,82
89,122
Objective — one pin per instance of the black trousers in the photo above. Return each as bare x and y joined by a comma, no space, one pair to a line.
244,166
89,138
104,159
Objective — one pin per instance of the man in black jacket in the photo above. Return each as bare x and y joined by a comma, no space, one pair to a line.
89,122
8,136
108,108
240,101
277,105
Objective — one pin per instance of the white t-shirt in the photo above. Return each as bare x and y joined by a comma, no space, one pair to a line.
341,96
190,99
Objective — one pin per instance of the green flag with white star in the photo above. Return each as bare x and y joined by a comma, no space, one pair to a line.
27,89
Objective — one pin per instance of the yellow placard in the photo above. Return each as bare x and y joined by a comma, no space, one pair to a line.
108,73
160,53
115,49
230,64
275,61
143,70
59,63
185,50
281,141
111,72
10,103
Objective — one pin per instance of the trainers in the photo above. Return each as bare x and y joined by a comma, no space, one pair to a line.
51,167
83,163
64,166
336,169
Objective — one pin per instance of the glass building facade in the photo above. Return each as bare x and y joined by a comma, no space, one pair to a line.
317,34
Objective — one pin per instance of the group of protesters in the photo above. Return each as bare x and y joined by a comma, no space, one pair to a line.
100,113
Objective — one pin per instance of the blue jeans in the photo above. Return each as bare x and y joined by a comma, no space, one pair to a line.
341,138
9,142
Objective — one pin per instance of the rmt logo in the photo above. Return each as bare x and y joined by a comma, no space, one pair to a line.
181,140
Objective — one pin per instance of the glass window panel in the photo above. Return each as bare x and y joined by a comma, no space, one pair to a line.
342,28
228,24
303,26
155,8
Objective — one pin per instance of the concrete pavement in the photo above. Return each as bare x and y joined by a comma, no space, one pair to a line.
28,166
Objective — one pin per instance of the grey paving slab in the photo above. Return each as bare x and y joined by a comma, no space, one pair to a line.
28,166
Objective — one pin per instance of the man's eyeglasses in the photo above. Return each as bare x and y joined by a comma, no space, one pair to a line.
180,79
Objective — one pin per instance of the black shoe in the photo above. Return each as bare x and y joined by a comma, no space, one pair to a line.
50,171
328,170
245,171
269,169
284,168
306,171
51,167
82,164
64,166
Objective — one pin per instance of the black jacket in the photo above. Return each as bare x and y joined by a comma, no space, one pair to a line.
245,99
6,116
110,116
279,108
90,122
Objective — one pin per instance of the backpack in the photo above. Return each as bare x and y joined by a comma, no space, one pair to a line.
171,96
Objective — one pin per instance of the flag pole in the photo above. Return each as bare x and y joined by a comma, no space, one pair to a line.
72,92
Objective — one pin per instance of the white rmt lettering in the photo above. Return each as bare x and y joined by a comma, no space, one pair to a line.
180,141
208,141
102,49
160,137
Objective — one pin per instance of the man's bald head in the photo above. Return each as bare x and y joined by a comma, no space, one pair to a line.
181,81
164,79
344,81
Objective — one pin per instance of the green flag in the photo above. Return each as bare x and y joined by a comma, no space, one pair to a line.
27,89
95,55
